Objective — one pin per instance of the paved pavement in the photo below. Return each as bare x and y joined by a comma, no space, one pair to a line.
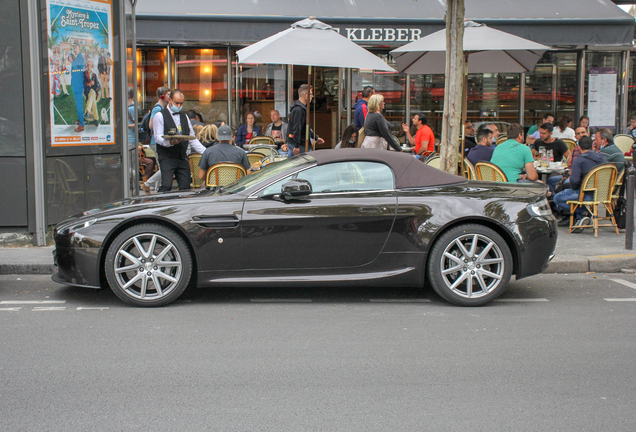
575,253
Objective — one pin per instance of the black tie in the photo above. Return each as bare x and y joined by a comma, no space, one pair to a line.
175,113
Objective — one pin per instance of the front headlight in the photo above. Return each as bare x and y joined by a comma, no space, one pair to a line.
82,225
540,208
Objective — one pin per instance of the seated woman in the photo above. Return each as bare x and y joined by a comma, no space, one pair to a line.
349,138
247,131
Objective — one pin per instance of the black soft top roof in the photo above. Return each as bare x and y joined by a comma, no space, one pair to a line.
409,171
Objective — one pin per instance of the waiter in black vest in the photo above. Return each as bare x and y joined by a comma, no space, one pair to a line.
172,152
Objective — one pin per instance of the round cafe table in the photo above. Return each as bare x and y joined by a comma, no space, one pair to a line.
546,172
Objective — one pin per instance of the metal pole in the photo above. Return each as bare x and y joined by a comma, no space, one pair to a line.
340,96
629,224
580,85
522,98
39,236
622,118
348,96
126,162
169,66
408,98
229,85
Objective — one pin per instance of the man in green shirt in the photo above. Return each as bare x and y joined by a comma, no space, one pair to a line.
513,156
533,132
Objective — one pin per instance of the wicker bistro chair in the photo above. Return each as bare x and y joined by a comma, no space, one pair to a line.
262,140
433,161
361,136
616,193
194,160
623,142
489,172
223,174
570,143
254,157
265,151
469,170
502,138
601,182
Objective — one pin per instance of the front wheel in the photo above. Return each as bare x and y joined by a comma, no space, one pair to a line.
148,265
470,265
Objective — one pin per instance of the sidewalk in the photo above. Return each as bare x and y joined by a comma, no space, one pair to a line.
575,253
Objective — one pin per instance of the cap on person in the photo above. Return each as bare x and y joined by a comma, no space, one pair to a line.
224,133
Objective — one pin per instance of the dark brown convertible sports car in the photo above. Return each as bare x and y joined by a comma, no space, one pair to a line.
339,217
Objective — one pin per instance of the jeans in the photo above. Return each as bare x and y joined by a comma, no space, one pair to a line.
552,181
561,199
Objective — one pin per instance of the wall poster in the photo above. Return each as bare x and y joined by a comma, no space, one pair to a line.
601,97
80,54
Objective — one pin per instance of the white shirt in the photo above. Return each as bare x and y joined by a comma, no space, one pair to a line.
567,133
157,124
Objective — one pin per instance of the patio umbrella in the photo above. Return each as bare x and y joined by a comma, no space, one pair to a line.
485,50
310,42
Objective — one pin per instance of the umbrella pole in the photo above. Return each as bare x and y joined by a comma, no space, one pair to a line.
308,111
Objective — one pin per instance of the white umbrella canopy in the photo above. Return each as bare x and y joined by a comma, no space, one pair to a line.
310,42
488,49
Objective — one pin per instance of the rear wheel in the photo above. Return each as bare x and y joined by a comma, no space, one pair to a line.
148,265
470,265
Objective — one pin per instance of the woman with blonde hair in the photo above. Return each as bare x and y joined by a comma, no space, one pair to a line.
207,136
376,127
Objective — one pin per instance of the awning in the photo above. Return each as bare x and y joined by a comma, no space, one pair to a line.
382,23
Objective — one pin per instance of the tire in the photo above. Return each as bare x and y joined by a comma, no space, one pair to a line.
148,265
468,276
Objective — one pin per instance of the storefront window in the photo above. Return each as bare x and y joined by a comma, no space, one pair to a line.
551,87
261,89
631,89
152,73
201,74
427,96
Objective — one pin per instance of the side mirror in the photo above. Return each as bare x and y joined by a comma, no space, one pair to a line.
295,188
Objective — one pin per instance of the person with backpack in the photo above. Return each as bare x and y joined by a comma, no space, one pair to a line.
163,96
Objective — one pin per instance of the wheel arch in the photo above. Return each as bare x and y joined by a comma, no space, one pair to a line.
489,223
139,221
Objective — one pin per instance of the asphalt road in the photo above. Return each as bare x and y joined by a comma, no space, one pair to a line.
556,353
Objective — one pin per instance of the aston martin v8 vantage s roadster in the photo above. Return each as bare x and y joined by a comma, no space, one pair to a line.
338,217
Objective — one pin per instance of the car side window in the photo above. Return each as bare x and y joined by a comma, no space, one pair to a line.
341,177
349,177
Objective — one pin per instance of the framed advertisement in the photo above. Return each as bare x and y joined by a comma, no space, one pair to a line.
81,95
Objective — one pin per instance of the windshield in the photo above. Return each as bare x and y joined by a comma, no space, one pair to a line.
268,172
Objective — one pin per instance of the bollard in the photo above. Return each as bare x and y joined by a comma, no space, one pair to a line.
629,214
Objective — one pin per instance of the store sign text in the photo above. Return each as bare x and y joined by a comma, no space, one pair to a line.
381,34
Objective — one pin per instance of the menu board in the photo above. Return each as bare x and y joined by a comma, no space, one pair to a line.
80,54
601,97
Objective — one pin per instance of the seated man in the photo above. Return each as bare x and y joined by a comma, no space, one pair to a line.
513,156
470,140
580,167
533,132
559,149
224,151
424,140
604,141
277,129
482,152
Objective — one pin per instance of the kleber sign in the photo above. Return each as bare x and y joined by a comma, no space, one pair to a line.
380,34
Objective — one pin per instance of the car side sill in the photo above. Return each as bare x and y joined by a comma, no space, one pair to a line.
315,278
56,277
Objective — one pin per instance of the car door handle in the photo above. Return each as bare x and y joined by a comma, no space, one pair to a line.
372,209
216,221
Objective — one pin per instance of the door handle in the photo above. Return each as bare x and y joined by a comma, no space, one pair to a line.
216,221
373,209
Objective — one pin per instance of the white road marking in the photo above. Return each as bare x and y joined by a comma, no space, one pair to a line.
280,300
527,300
49,308
11,309
92,308
17,302
620,299
624,282
399,300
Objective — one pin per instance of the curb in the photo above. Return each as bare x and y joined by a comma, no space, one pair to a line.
597,264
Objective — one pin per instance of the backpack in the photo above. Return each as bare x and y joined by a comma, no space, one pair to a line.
620,212
145,133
